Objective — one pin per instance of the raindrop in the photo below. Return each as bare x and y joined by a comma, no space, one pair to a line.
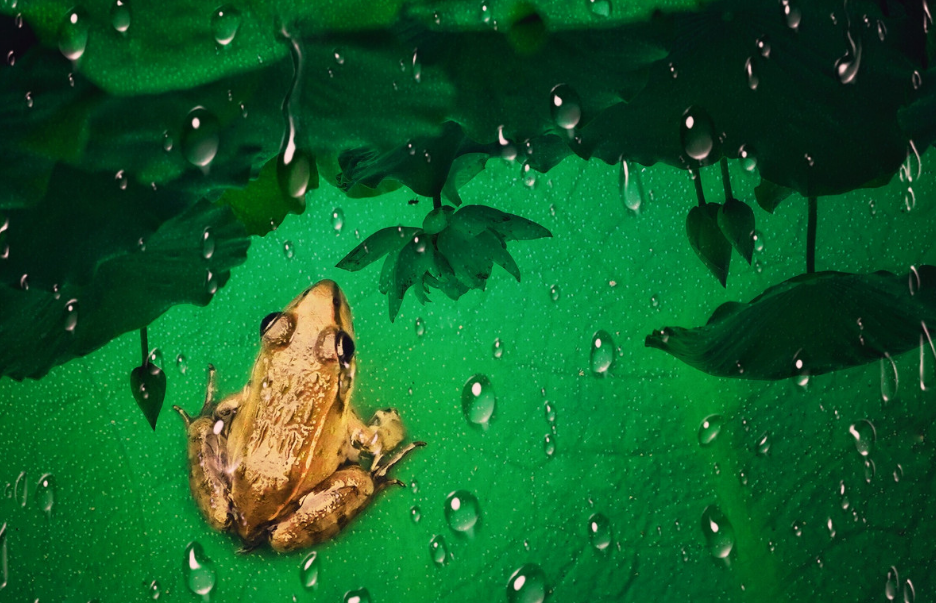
463,513
763,444
602,353
360,595
199,570
600,8
629,187
865,435
294,172
309,571
19,489
549,445
208,244
120,16
288,250
420,327
485,13
909,199
554,293
478,400
224,24
763,46
718,531
181,364
892,584
339,58
599,531
438,551
566,107
45,494
211,283
917,80
415,514
909,593
167,141
414,485
11,58
337,219
898,473
156,357
122,180
889,379
498,348
869,470
881,30
550,411
697,133
527,585
752,79
153,589
758,237
791,14
709,429
200,135
73,34
830,527
4,563
29,100
24,282
71,315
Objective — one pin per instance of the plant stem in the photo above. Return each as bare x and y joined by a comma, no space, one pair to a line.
726,179
697,178
144,346
437,201
811,236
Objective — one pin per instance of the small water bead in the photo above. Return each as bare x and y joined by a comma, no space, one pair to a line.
167,141
752,79
763,46
791,14
697,133
718,531
360,595
709,429
438,551
549,445
120,16
747,157
462,512
199,570
181,363
600,8
865,435
758,241
870,469
485,13
288,250
892,584
599,531
224,24
309,571
208,244
71,315
909,593
4,558
20,489
527,585
898,473
420,327
414,485
45,494
565,106
415,514
478,400
602,353
498,348
200,136
417,67
73,34
554,293
763,444
153,589
337,219
11,58
211,283
549,410
917,80
29,100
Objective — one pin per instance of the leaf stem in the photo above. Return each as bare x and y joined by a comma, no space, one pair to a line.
144,346
697,178
437,201
811,236
726,179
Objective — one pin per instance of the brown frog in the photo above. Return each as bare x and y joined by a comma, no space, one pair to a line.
279,461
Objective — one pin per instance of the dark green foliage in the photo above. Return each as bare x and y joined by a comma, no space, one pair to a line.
454,252
770,195
708,241
809,325
736,221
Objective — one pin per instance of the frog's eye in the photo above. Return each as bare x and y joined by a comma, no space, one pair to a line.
277,328
268,320
344,347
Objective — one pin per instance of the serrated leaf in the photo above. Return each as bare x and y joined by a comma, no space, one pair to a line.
376,246
708,241
769,195
148,384
510,226
736,221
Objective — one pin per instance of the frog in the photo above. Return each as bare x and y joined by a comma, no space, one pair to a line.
284,461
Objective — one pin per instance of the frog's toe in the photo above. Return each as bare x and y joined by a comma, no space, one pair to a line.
380,472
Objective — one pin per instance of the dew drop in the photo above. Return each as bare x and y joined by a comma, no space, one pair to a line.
599,531
565,106
337,219
697,133
554,293
420,327
865,436
889,379
154,590
892,584
29,100
747,157
122,180
415,514
71,315
462,513
200,136
211,283
45,494
288,250
224,24
709,429
360,595
294,170
417,67
498,348
414,485
763,444
167,141
752,80
549,410
437,551
120,16
309,571
19,489
549,445
478,400
73,34
763,46
181,364
602,353
791,14
718,531
758,237
527,585
600,8
208,244
199,570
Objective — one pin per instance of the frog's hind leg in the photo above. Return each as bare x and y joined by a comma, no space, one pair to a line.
384,433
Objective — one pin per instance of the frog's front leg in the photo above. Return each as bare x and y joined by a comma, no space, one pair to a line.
207,457
325,510
384,433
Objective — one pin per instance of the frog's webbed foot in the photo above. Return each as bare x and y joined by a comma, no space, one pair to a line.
379,473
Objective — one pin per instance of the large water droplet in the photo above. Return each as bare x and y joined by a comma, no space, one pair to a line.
747,157
599,531
309,571
200,136
73,34
199,570
527,585
865,435
120,15
437,551
718,531
71,315
45,494
478,400
709,429
463,513
224,24
360,595
697,133
565,106
602,353
629,187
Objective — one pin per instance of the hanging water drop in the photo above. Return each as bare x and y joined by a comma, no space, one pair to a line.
527,585
697,133
120,16
709,429
629,187
462,513
437,551
199,570
718,531
602,353
309,571
294,171
73,34
478,400
200,136
565,106
599,531
224,24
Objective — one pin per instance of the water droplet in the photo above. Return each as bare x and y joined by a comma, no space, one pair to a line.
549,445
208,244
360,595
602,353
156,357
718,531
554,293
889,379
167,141
294,170
478,400
199,570
549,410
763,444
181,364
288,250
916,79
45,494
463,513
697,133
566,107
600,8
122,180
73,34
224,24
414,485
337,219
200,136
865,435
420,327
709,429
870,469
415,514
892,584
909,198
791,14
527,585
909,593
437,551
599,531
24,282
752,79
763,46
211,283
629,187
11,58
498,348
4,559
120,16
19,489
339,58
747,157
153,589
309,571
71,315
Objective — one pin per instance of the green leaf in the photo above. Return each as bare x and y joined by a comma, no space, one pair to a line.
464,168
811,324
264,202
708,241
509,226
148,384
376,246
471,265
414,260
497,251
769,195
736,221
